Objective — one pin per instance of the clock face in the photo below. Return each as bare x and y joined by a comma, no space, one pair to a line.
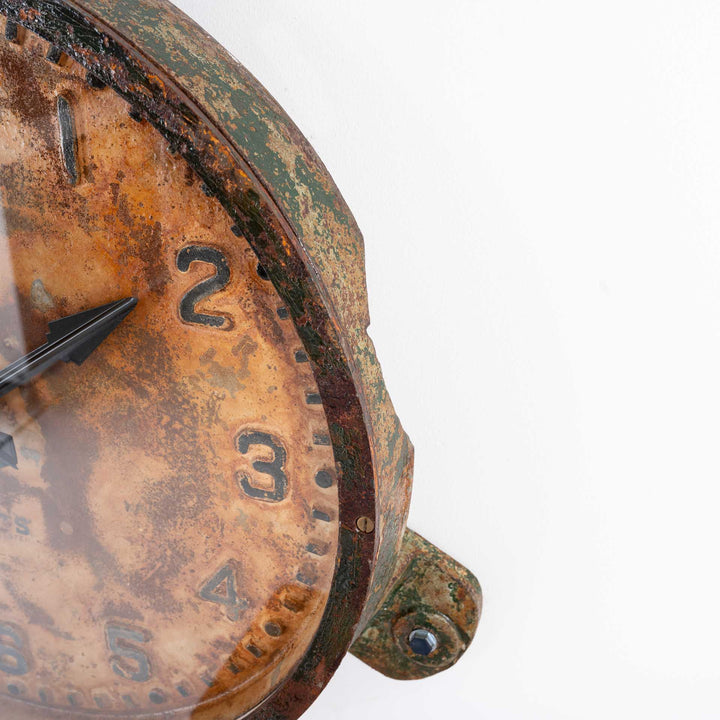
168,507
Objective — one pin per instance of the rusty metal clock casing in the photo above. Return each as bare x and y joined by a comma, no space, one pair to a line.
178,111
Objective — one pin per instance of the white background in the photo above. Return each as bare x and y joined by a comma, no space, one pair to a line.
538,184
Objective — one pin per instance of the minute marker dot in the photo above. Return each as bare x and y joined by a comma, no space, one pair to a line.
157,697
323,479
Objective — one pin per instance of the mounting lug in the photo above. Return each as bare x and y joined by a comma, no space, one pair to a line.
428,617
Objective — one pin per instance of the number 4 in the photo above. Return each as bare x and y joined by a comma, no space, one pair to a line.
221,588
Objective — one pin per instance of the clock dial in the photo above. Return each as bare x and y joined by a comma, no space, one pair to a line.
169,505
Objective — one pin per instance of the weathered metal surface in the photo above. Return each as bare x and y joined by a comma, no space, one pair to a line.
319,221
148,517
429,591
372,453
278,198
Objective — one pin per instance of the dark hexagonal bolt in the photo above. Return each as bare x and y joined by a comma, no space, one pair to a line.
422,641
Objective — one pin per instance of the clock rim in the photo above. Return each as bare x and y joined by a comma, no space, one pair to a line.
311,311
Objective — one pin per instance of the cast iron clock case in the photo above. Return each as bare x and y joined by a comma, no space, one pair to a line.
203,483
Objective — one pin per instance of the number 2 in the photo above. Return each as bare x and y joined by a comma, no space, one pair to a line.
205,289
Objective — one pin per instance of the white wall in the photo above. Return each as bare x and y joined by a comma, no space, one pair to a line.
539,186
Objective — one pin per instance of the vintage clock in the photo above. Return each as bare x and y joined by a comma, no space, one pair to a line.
203,484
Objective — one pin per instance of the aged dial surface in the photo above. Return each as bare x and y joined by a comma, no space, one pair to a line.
168,507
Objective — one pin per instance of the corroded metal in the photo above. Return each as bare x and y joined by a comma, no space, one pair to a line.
142,509
429,591
210,113
302,249
309,208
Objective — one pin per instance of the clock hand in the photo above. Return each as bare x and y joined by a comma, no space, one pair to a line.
8,455
70,339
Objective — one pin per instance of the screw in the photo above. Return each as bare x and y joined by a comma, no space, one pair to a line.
422,641
365,524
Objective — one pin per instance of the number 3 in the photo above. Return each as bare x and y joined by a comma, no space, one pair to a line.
274,468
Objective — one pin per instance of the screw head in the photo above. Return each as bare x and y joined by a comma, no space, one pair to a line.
422,641
365,524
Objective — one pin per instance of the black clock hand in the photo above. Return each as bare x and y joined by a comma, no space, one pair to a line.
8,455
70,339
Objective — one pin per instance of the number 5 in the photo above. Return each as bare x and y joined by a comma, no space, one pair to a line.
12,660
118,641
